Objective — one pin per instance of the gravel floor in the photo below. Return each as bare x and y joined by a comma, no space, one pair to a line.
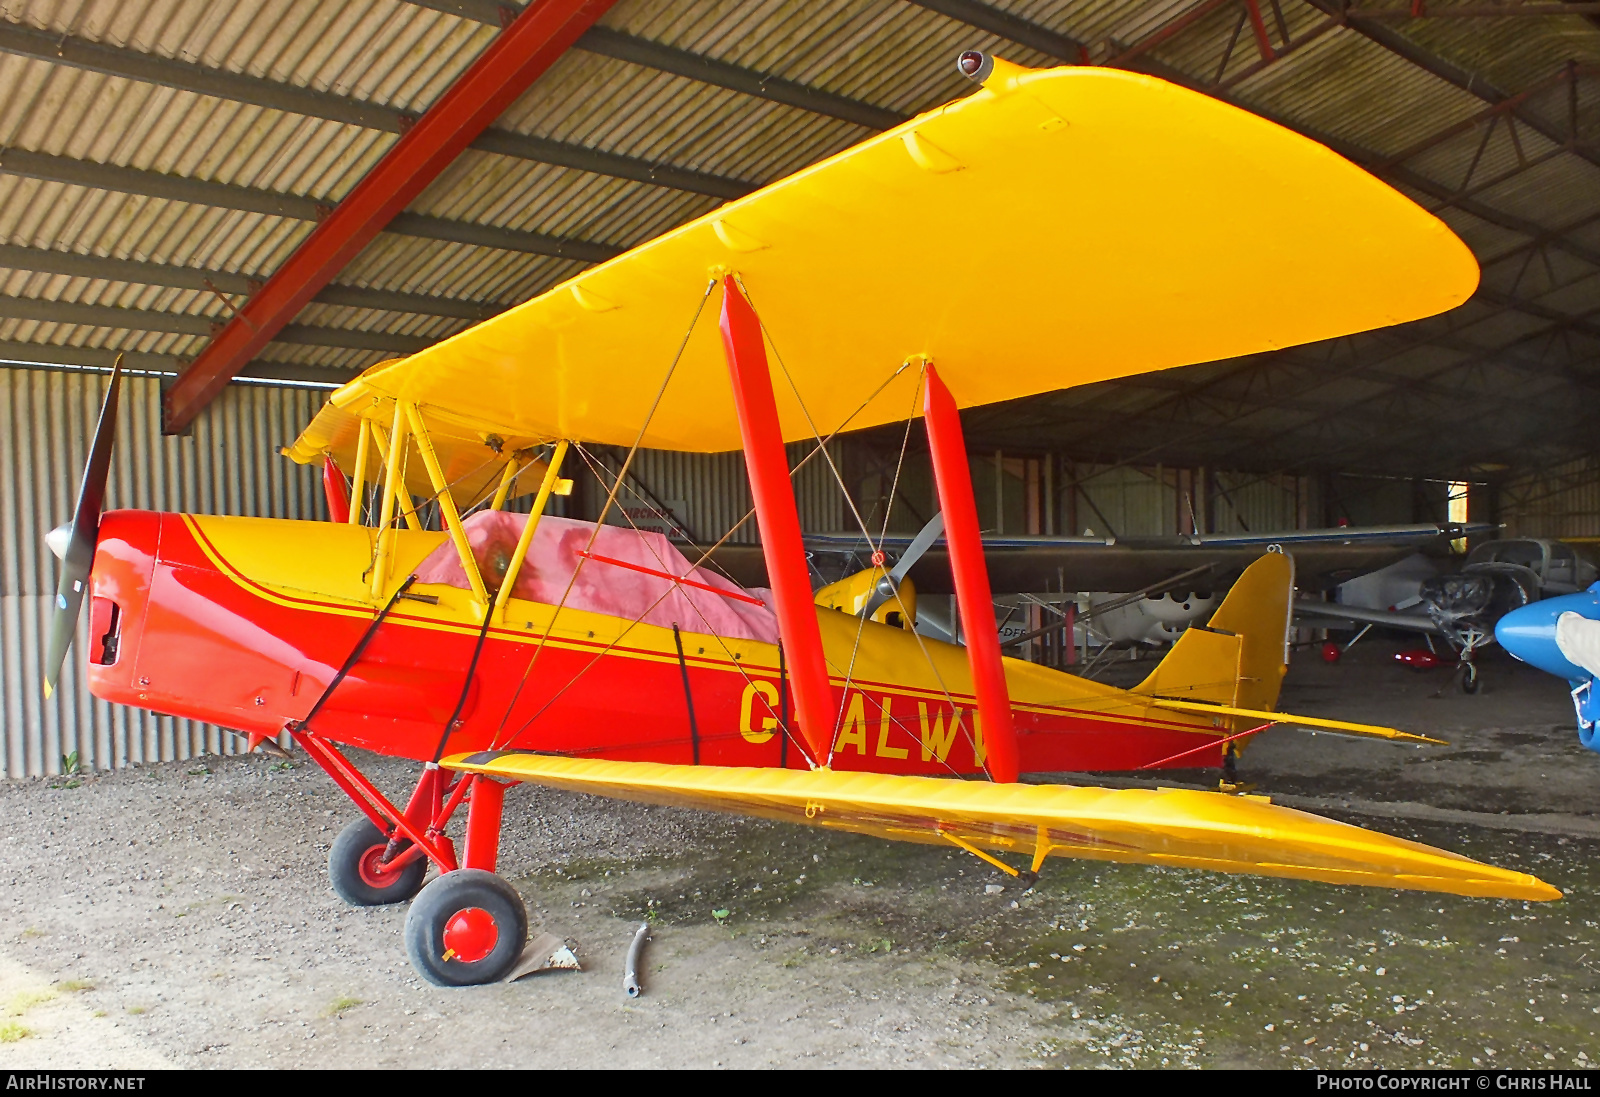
181,914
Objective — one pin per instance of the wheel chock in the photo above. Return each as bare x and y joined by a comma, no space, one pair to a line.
546,952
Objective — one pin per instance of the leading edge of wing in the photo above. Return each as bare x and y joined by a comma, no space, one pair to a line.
1419,534
1176,827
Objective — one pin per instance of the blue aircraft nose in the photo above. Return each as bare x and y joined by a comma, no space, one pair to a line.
1529,633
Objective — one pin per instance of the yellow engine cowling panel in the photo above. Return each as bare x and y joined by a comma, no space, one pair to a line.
851,594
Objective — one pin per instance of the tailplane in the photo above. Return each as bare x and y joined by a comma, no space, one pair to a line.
1240,656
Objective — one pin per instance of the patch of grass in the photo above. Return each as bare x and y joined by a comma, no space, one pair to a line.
72,986
31,932
98,1013
136,1010
71,767
340,1006
27,999
199,771
11,1032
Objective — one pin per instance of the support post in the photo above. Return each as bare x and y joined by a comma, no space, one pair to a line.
778,519
426,797
447,505
381,441
337,495
508,476
393,485
552,476
953,477
358,482
483,823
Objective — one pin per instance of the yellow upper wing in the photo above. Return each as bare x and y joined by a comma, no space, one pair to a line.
1060,227
1147,826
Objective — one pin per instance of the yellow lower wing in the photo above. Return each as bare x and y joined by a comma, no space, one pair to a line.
1374,730
1146,826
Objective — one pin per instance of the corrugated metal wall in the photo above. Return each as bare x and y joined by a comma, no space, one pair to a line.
230,465
1248,502
1124,502
1149,502
1560,502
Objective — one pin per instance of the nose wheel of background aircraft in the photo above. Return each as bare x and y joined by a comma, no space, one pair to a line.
466,928
359,875
1468,677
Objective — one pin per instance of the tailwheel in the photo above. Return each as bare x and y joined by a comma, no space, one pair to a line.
466,928
361,876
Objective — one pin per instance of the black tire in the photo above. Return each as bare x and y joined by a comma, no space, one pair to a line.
1469,678
362,841
475,894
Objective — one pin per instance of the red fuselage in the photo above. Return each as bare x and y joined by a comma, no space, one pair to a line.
177,629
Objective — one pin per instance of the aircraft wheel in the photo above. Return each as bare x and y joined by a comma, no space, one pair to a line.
354,868
466,928
1469,678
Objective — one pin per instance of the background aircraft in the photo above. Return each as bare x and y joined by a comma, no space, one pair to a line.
1462,607
1561,636
1125,590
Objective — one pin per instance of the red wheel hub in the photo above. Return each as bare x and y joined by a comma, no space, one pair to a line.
374,873
470,935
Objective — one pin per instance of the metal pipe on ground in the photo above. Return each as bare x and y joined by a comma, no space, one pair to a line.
630,971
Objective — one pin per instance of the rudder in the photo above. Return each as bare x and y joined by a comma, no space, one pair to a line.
1240,656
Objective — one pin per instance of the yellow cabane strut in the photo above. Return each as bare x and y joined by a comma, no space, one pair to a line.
447,504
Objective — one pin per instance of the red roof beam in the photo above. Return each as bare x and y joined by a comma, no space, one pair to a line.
517,57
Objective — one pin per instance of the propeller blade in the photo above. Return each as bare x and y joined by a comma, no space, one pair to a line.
78,556
920,544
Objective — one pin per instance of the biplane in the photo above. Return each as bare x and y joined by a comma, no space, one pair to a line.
1053,228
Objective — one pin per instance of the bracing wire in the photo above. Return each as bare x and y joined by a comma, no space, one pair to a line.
804,461
610,499
711,632
865,532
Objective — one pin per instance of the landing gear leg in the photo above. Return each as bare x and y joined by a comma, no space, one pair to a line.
1230,782
371,865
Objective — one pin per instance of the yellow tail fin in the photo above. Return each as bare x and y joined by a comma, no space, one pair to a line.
1240,656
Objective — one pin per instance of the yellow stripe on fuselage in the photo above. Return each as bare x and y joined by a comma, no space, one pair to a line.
322,567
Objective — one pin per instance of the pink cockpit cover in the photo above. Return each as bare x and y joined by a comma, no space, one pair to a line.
602,587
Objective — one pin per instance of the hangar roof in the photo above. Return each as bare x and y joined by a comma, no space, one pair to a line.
159,159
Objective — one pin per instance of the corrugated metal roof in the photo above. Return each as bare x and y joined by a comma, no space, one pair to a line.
1504,185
